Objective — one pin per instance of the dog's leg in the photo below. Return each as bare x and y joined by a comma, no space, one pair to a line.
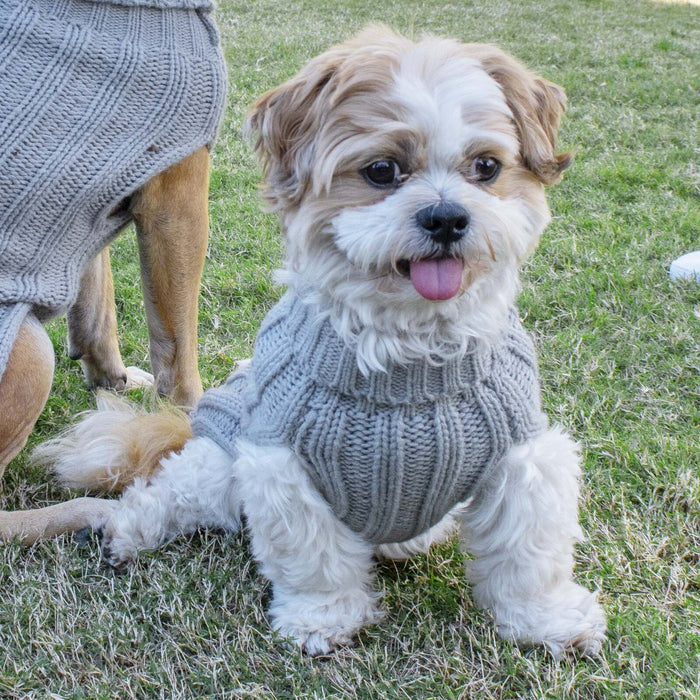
194,488
320,570
521,527
28,526
24,387
92,331
172,224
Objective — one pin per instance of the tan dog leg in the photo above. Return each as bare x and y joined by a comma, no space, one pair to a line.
92,327
24,387
28,526
172,224
92,331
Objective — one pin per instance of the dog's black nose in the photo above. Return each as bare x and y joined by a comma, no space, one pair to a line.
444,222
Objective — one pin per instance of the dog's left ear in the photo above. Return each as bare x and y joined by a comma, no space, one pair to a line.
537,106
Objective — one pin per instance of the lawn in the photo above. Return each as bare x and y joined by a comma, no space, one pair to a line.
620,360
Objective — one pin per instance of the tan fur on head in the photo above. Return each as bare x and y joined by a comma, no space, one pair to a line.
537,106
288,118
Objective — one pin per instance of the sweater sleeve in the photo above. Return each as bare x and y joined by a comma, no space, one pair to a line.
218,413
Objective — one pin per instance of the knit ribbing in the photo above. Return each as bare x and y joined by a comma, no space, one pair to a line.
394,451
162,4
97,98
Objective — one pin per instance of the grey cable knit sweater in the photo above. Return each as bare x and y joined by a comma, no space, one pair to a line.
97,97
391,452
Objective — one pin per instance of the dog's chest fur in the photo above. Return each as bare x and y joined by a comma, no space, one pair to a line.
393,451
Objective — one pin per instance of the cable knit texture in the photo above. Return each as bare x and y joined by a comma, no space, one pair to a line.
392,452
97,98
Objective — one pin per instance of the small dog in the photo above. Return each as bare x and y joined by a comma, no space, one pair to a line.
392,393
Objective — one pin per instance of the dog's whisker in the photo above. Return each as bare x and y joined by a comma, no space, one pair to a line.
489,245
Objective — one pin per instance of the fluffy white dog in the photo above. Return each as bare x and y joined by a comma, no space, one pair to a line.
392,393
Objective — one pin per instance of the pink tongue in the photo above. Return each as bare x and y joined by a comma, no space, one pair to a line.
437,279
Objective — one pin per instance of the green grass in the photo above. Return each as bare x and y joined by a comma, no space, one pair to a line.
620,360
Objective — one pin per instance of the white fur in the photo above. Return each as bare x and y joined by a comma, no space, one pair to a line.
522,524
345,266
195,488
91,451
521,528
320,570
439,532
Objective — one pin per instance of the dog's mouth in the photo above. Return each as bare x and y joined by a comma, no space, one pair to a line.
435,279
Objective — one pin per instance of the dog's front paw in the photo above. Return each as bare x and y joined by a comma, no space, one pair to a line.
119,548
322,622
567,619
116,557
109,373
128,532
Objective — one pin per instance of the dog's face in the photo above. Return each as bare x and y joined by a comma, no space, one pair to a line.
409,177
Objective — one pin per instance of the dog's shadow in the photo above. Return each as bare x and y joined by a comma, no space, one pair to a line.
431,584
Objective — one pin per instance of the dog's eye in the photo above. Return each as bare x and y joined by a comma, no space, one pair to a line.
382,173
486,169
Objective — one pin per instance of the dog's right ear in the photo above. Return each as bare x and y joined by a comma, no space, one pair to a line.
285,121
536,105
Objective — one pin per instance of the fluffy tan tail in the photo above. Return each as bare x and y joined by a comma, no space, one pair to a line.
103,453
108,448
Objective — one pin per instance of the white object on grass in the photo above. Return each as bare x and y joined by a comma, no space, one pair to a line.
137,378
686,267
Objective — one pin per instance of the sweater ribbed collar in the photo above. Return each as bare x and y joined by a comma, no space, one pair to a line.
330,361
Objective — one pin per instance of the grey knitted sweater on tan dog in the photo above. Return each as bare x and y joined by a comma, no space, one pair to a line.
392,452
97,97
